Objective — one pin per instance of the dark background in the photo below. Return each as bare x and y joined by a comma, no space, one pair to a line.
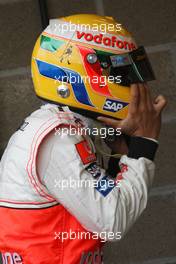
153,238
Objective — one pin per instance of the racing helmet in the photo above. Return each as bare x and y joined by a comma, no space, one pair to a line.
88,62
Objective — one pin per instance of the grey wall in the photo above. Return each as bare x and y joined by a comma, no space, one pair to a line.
153,238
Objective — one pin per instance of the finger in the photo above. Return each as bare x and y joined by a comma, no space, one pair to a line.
134,99
109,121
143,97
148,96
160,103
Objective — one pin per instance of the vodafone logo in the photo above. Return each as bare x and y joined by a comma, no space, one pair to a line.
100,39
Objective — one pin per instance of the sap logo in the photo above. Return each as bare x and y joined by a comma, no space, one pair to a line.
113,105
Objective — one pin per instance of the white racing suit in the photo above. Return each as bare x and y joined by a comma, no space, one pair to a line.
57,202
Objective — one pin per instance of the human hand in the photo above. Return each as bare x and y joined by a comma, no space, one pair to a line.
144,114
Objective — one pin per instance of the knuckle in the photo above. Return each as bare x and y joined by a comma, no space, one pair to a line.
162,98
165,101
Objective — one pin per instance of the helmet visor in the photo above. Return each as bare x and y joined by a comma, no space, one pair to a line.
133,67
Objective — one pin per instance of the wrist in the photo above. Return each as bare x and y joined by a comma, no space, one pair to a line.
142,147
154,136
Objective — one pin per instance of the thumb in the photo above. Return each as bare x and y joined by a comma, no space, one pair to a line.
109,121
160,103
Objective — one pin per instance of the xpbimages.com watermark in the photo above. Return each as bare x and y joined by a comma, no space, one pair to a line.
103,79
102,184
102,132
82,235
63,27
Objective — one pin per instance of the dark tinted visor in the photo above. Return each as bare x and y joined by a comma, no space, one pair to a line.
134,67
